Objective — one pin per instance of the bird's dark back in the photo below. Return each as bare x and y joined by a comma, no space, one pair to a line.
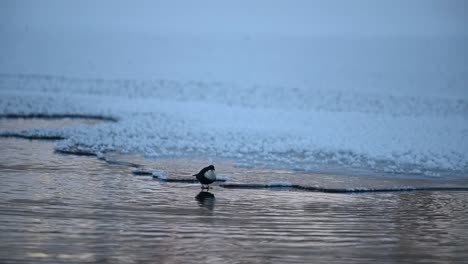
204,170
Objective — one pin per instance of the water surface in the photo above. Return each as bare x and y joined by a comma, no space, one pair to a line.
57,208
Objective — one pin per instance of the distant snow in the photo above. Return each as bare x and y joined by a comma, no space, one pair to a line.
314,85
422,135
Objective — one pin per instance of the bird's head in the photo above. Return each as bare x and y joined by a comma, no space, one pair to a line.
211,167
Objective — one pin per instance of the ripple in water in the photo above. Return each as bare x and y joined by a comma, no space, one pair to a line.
66,208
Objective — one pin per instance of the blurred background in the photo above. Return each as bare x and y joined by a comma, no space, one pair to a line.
392,45
374,84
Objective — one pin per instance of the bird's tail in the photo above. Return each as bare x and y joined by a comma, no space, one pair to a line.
195,175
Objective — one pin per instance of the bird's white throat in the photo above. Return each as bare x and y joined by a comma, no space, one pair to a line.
211,175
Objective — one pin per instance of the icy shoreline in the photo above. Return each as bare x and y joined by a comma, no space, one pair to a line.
252,125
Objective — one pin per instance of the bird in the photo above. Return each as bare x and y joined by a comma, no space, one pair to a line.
206,176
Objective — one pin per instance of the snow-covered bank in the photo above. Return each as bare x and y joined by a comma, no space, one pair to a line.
314,85
296,128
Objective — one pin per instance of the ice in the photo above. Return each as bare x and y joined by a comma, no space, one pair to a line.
279,184
142,171
222,178
162,175
382,90
428,140
165,177
290,186
252,186
101,156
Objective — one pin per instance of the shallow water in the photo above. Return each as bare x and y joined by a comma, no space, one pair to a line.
57,208
28,123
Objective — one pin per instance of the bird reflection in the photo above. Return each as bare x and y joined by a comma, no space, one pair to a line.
206,200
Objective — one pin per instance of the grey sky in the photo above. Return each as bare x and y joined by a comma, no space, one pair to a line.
285,17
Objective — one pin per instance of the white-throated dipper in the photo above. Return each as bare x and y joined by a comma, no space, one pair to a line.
206,176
